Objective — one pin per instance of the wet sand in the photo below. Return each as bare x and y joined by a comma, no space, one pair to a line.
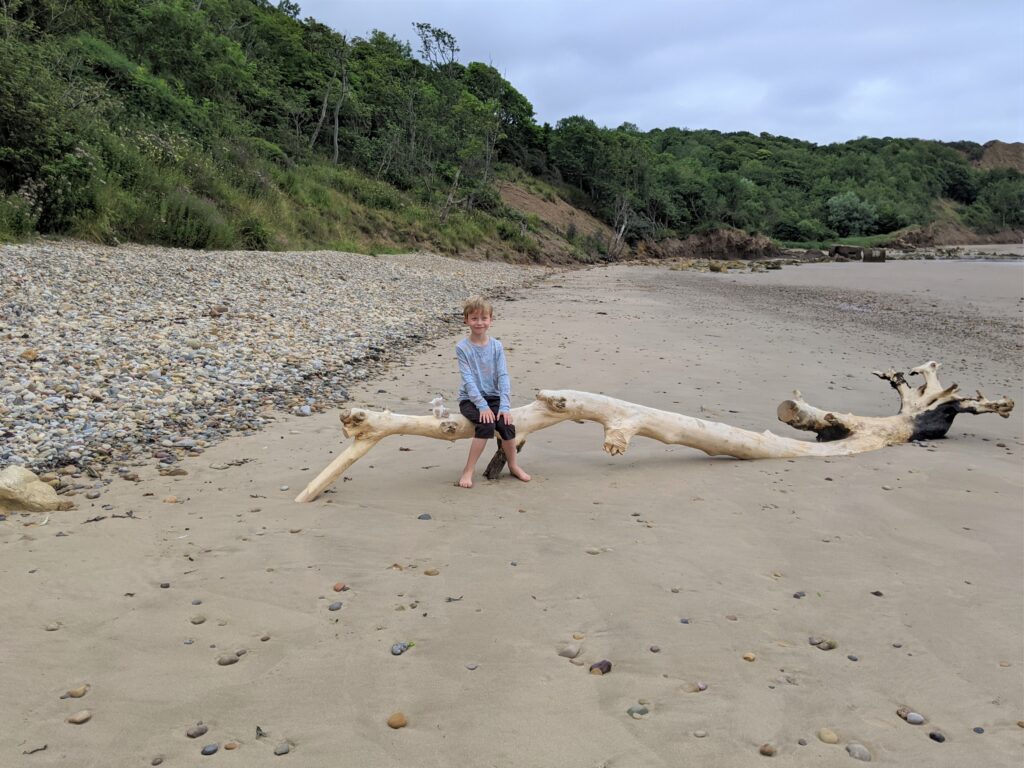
724,544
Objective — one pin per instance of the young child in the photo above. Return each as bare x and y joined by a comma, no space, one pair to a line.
484,397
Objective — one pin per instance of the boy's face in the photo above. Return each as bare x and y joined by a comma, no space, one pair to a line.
478,322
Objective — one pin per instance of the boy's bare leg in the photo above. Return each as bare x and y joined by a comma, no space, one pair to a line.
475,449
509,447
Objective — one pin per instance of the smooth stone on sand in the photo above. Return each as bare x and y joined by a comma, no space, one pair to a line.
157,761
283,748
978,729
397,720
199,619
748,656
768,750
827,645
334,606
700,734
197,601
232,745
602,667
472,667
399,648
52,626
914,718
210,749
165,585
655,649
637,711
425,516
569,651
937,736
227,659
196,731
593,551
76,693
858,752
828,736
431,572
80,717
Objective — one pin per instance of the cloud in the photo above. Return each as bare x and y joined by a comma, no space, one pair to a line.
820,71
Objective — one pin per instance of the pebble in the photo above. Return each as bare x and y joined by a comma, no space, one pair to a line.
593,551
768,750
397,720
92,495
472,667
684,621
827,645
165,585
802,742
283,748
858,752
336,606
157,761
828,736
655,649
637,711
914,718
748,656
431,572
83,716
284,487
232,745
76,693
851,657
602,667
799,595
198,620
53,626
399,648
227,659
170,500
937,736
425,516
978,729
700,734
340,587
569,651
196,731
144,368
210,749
197,601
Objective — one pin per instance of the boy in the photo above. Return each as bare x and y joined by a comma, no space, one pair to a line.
484,397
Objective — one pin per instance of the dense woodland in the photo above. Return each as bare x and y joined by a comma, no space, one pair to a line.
234,123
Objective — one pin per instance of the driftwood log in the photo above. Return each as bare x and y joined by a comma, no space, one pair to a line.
926,412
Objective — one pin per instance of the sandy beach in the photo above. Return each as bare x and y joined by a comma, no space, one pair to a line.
911,558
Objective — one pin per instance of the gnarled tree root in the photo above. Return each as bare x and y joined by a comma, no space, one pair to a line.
925,412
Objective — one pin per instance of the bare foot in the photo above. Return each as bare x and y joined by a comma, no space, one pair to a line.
520,474
466,481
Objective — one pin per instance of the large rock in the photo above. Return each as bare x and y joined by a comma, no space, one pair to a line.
22,491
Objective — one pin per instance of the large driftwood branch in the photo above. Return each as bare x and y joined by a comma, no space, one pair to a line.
925,412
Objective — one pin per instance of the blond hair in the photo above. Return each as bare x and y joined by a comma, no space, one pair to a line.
476,304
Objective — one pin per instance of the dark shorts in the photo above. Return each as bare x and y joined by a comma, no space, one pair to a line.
486,431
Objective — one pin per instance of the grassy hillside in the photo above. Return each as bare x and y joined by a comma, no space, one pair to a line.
235,124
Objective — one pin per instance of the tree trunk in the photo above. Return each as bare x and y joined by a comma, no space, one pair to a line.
926,412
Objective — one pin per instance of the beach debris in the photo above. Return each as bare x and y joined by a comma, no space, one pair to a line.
283,748
33,750
926,412
828,736
197,730
397,720
210,749
82,716
76,693
451,599
858,751
637,711
768,750
602,667
399,648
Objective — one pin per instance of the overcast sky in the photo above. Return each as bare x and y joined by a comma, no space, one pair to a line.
820,70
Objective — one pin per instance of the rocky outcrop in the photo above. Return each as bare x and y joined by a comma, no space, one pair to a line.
722,244
22,491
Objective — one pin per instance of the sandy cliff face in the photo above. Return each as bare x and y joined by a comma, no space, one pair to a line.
1000,154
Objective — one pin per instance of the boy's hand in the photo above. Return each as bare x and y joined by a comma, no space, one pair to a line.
506,415
486,416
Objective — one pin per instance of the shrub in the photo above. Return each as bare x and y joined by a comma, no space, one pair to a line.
192,222
16,218
254,234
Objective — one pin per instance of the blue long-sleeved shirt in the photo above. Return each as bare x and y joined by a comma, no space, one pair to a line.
484,374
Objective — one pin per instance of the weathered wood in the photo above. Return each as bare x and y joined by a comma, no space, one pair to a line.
925,412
